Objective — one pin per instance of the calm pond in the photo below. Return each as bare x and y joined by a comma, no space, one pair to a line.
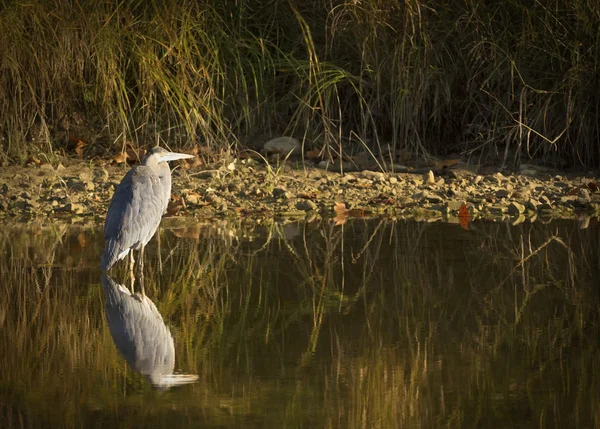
366,325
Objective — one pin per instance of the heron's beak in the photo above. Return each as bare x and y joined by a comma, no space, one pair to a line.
173,156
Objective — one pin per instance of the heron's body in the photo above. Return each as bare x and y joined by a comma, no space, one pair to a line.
141,336
137,206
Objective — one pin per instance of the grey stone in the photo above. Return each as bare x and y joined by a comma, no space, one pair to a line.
283,146
430,178
455,205
306,205
515,208
584,196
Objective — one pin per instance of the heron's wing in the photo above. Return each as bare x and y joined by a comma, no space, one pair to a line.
138,330
134,213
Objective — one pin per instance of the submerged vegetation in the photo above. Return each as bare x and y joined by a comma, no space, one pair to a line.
507,79
373,324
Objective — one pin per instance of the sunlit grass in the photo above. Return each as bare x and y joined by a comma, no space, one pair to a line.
487,79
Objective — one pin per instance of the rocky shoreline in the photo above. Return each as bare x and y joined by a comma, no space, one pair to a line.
251,189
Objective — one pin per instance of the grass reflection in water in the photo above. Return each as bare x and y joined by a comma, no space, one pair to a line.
371,324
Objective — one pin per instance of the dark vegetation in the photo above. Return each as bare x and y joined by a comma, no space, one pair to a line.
506,80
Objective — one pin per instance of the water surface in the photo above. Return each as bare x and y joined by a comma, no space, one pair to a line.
366,325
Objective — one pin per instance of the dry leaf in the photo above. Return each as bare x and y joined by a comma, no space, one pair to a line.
340,207
313,154
446,163
308,196
175,205
81,239
340,219
135,155
33,160
120,158
464,216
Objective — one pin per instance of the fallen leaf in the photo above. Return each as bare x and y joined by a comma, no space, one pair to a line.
79,145
33,160
81,239
464,216
120,158
446,163
175,205
592,186
135,155
358,213
313,154
340,219
340,207
308,196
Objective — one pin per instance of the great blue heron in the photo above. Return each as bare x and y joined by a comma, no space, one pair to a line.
141,336
137,207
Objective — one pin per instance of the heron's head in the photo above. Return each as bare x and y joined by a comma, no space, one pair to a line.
157,155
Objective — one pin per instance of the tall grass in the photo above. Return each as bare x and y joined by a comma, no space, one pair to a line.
493,80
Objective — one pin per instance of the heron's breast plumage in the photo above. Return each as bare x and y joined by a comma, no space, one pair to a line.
135,212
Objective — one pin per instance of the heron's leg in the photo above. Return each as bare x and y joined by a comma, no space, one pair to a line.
142,290
131,265
159,252
141,269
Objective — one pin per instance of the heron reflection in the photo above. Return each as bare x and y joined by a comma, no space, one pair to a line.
141,336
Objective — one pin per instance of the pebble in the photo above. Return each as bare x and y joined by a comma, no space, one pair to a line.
306,205
515,208
430,178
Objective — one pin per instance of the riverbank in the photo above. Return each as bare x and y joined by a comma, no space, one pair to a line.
246,188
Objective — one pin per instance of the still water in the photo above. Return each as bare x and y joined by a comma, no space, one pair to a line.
365,325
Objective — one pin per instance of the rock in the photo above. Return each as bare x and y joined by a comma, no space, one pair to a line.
72,208
374,174
497,210
348,178
455,205
76,186
528,172
515,208
279,193
397,168
192,199
430,178
568,199
427,196
393,180
337,166
306,205
477,179
583,222
283,145
532,204
502,193
500,177
584,196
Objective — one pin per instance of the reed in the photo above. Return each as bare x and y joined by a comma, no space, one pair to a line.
495,81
